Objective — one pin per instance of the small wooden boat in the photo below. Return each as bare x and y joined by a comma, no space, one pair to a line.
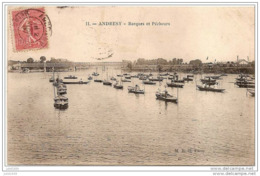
57,82
125,80
162,77
61,91
143,78
164,74
95,74
140,74
187,79
70,77
127,77
61,85
165,96
118,86
208,88
107,83
190,76
119,75
134,76
172,84
243,77
210,83
135,90
149,82
179,81
156,79
241,85
90,78
98,80
76,82
113,78
240,79
252,92
213,77
51,79
208,80
61,102
244,82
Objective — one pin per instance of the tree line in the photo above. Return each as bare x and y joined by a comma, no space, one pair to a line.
43,59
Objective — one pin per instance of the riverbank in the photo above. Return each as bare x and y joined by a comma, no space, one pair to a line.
196,70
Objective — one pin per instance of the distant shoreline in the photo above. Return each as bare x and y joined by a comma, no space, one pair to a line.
245,70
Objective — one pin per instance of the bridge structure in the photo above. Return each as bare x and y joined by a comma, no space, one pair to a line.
68,65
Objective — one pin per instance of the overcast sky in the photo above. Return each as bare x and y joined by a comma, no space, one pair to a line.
219,33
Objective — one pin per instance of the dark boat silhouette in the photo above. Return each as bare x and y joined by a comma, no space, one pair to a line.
172,84
208,88
165,96
149,82
70,77
136,90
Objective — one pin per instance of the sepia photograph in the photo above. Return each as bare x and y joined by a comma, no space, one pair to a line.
130,85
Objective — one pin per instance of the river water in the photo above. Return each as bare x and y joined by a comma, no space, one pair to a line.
105,126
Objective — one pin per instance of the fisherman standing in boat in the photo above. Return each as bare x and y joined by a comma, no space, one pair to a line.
136,87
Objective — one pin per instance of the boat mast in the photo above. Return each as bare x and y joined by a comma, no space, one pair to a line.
177,93
107,74
53,82
144,87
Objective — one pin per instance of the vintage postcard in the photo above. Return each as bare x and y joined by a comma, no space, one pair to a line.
130,85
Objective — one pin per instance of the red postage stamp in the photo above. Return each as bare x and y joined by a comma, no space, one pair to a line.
29,28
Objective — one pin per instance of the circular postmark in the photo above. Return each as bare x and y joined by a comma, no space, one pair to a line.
31,28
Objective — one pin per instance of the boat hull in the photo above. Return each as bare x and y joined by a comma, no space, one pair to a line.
149,83
118,87
175,100
136,92
252,93
61,106
155,79
78,82
246,85
175,85
187,79
107,83
208,81
70,77
179,81
61,92
210,89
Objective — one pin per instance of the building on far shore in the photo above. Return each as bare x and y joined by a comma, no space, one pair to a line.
242,62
